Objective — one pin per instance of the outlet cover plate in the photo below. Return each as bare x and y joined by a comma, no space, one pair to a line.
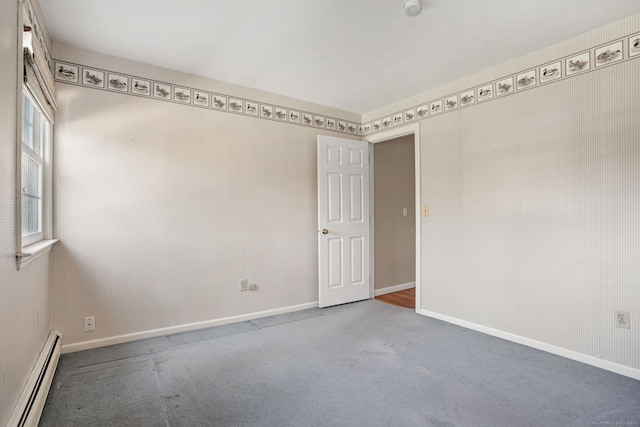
622,319
89,324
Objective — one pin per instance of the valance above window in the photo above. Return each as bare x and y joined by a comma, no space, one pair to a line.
37,75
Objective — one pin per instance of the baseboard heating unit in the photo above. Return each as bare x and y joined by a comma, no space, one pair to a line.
29,407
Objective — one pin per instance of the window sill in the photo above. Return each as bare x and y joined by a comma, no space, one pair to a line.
33,252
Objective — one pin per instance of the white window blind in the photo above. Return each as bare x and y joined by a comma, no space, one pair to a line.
37,75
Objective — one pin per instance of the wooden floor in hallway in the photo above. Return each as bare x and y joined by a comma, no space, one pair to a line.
406,298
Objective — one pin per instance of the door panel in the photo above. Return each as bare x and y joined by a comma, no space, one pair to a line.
335,262
356,198
355,157
343,221
334,197
357,260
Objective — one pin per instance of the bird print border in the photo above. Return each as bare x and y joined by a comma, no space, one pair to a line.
112,81
606,54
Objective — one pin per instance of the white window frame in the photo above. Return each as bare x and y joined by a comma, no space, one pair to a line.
31,246
37,133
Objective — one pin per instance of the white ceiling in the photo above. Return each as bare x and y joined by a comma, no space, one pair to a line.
355,55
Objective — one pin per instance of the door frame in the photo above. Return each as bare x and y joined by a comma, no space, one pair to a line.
413,129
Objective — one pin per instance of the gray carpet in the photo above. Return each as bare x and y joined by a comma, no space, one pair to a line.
361,364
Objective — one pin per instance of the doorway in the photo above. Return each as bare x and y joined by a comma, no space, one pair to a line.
384,278
394,221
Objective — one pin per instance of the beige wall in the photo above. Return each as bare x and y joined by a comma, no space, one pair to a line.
394,189
534,203
161,209
534,221
24,294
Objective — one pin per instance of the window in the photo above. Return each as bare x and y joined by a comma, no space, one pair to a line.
36,133
36,109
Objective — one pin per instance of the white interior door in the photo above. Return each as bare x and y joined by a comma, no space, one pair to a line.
343,220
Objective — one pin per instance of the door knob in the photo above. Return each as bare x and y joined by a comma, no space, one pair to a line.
325,231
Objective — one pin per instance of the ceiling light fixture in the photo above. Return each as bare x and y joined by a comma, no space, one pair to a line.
412,7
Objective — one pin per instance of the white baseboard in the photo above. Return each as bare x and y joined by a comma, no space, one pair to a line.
395,288
559,351
119,339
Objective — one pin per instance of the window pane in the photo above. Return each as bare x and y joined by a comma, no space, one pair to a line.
38,123
26,121
30,215
25,210
31,196
33,124
31,177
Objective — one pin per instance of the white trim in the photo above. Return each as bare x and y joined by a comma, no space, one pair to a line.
418,210
397,132
33,252
372,223
393,133
549,348
19,90
119,339
395,288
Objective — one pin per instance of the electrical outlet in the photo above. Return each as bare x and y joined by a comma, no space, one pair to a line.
244,283
89,324
252,287
622,319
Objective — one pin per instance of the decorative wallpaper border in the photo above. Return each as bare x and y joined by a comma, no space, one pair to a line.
579,63
96,78
586,61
